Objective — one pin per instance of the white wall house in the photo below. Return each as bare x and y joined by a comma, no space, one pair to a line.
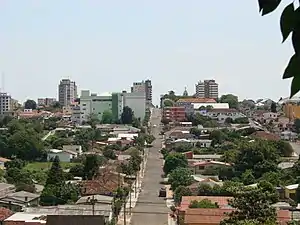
64,156
73,148
270,115
221,114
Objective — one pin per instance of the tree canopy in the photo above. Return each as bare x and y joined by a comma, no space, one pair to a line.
231,99
127,115
30,104
174,161
107,117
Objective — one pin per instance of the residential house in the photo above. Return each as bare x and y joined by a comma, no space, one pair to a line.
180,134
75,219
268,116
221,201
207,167
211,181
201,216
63,155
192,157
99,199
105,183
73,148
21,218
174,113
292,111
290,191
6,189
221,114
288,136
18,200
265,136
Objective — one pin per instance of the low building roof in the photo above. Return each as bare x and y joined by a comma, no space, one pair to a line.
205,163
20,196
99,198
23,216
99,209
197,100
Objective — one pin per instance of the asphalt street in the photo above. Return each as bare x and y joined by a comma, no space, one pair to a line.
151,209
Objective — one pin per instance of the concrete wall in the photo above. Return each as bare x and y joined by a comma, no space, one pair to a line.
137,102
63,156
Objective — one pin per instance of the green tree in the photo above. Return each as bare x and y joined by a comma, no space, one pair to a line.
127,115
107,117
253,204
258,156
231,99
181,191
30,104
195,131
205,203
91,166
77,170
289,25
180,177
273,107
272,177
109,153
93,120
168,103
174,161
55,174
248,177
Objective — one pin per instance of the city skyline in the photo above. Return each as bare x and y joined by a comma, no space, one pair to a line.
102,51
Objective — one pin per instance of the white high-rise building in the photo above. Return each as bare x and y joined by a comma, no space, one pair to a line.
207,89
144,87
67,92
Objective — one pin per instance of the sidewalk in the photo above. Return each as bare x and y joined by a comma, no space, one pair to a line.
134,196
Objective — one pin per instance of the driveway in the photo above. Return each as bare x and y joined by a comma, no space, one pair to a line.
150,209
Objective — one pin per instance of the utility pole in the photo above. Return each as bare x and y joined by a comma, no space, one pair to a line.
93,201
124,209
136,177
130,197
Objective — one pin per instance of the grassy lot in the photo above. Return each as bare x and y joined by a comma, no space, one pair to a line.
47,165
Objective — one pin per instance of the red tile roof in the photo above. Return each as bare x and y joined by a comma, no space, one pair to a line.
205,216
197,100
215,216
222,201
265,135
5,213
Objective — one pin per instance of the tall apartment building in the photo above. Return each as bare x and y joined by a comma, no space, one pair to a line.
5,104
145,87
67,92
45,101
207,89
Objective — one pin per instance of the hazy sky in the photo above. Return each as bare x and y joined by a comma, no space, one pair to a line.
105,45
